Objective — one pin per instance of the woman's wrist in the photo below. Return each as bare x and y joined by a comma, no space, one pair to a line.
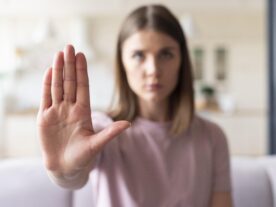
71,181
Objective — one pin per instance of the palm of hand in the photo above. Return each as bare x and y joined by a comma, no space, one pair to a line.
65,127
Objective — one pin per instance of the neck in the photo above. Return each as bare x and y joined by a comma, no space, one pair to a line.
154,111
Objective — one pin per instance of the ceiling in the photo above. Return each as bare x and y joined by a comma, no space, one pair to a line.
120,7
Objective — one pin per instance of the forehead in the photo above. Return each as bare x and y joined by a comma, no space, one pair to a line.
149,39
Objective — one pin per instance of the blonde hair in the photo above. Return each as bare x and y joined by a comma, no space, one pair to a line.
181,100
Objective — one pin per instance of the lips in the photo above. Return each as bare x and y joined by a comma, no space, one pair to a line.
153,87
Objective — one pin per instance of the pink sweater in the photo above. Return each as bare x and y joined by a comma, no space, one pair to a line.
145,167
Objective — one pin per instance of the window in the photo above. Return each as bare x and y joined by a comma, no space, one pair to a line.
221,63
198,55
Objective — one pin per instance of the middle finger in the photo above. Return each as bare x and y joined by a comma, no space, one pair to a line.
69,83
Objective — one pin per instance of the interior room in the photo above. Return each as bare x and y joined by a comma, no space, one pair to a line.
227,43
228,46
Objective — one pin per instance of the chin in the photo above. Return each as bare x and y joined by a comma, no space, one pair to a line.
155,99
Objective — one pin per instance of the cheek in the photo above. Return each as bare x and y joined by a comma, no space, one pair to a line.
134,75
172,80
172,75
134,79
128,66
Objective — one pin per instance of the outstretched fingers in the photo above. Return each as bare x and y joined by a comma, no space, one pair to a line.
82,96
46,101
57,78
69,83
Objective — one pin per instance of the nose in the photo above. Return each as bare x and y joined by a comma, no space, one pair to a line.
152,67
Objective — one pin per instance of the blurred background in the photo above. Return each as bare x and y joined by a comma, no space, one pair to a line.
227,42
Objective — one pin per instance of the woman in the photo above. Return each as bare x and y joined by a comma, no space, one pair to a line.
168,157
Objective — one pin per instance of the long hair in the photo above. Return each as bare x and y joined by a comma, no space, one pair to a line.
181,100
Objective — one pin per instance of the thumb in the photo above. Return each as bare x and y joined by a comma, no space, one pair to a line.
103,137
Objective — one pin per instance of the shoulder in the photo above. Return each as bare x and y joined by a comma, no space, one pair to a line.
207,129
204,125
100,120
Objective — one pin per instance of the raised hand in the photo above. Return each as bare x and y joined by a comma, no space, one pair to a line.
68,142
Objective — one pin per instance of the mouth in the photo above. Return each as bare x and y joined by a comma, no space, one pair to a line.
153,87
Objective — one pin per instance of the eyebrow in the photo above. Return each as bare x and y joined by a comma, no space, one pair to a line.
168,48
162,49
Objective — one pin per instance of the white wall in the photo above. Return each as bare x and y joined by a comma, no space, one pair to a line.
243,32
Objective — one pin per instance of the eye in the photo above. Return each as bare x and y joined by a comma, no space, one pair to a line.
138,55
166,54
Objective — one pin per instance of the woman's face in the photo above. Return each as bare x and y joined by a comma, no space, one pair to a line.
152,62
